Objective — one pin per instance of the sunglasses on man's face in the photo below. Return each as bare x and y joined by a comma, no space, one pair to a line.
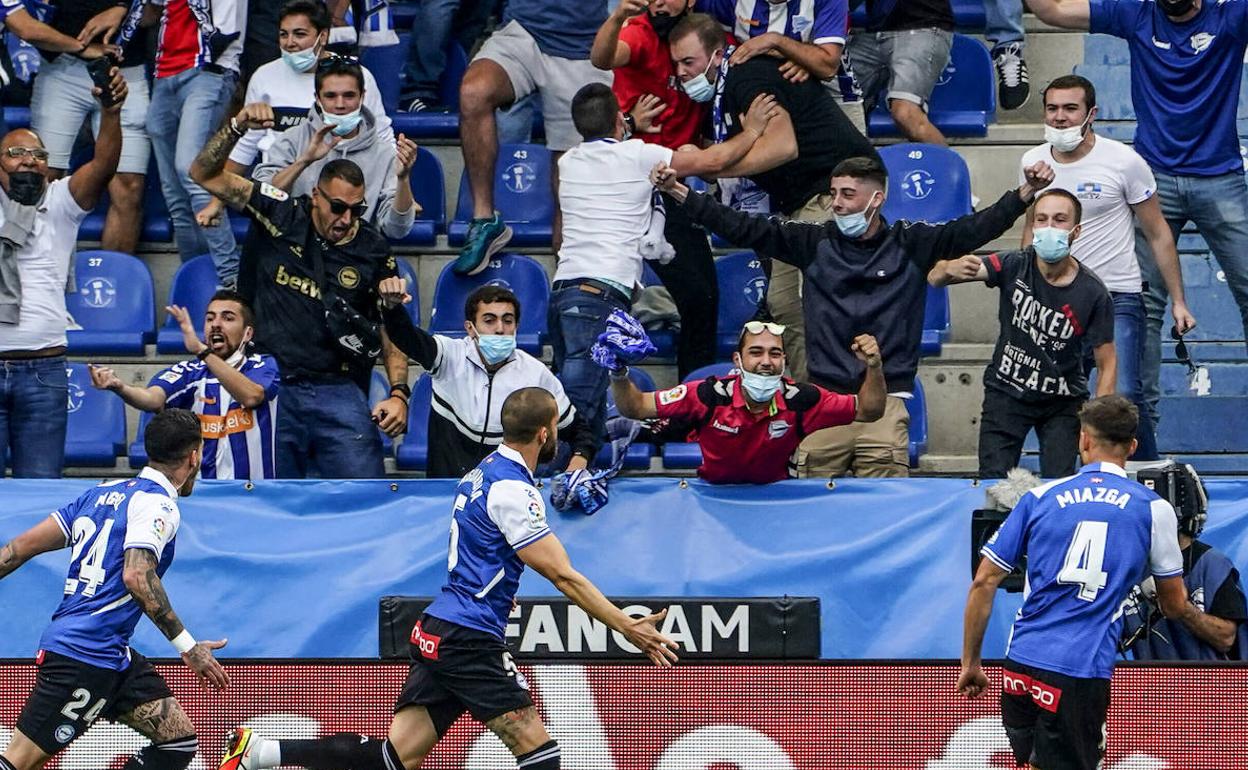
339,207
37,153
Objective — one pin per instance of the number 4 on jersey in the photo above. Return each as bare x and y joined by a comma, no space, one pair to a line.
1084,559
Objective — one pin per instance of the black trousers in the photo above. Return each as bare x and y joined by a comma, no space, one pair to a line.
1005,422
690,278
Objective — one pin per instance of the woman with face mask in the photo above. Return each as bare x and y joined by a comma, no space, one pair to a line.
287,84
1052,309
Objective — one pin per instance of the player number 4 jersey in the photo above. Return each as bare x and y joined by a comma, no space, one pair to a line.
497,512
97,615
1088,540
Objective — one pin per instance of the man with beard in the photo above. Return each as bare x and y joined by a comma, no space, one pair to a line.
633,44
38,234
123,534
460,661
234,394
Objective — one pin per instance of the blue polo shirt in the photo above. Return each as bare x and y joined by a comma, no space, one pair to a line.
1184,81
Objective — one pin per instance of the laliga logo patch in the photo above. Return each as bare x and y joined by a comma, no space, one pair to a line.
269,191
64,733
519,177
99,292
348,277
673,395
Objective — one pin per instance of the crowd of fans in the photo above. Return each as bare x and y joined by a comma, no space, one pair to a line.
767,97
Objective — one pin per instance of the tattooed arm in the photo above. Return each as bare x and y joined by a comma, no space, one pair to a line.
145,586
208,169
45,536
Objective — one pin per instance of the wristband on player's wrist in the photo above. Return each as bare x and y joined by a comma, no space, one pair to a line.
183,642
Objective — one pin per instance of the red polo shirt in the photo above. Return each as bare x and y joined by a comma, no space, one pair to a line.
740,447
650,71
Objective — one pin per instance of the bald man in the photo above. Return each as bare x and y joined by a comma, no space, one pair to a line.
38,232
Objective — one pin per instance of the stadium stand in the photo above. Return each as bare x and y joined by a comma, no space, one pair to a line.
686,455
429,189
386,63
742,288
639,453
95,433
523,275
193,285
916,405
522,193
413,288
113,308
437,125
413,451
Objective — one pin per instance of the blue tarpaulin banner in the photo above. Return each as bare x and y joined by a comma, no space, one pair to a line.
296,568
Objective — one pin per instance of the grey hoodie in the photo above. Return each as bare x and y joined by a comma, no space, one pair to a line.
375,158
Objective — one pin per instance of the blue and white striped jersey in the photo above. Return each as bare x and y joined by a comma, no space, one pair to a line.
497,512
97,615
238,442
1088,539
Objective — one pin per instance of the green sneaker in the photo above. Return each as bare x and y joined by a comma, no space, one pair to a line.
486,237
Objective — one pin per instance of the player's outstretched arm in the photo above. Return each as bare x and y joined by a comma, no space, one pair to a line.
549,558
45,536
972,682
147,589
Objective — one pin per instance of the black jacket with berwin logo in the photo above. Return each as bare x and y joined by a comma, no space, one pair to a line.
875,286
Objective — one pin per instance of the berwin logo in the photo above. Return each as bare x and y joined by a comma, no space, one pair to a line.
64,733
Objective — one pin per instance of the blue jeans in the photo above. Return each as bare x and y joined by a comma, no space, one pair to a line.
186,110
1004,22
1218,206
575,319
426,58
34,399
326,428
1129,326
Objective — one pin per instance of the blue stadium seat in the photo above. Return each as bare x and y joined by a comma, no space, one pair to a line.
663,339
157,227
1210,296
386,63
964,101
688,454
937,318
742,288
917,407
137,453
378,391
639,453
95,431
413,452
1105,49
115,305
193,286
522,192
927,183
413,288
523,275
442,125
240,225
16,117
429,190
1217,378
1209,424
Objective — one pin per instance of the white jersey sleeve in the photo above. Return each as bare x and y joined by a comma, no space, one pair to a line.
519,512
1164,557
372,100
1138,182
652,154
151,522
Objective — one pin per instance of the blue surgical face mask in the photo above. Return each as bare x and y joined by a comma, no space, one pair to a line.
855,224
301,61
760,387
1051,243
496,348
343,124
699,88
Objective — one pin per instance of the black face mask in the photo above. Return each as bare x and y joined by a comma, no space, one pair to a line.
1175,8
664,23
26,187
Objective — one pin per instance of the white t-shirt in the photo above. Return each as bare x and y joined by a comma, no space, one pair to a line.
43,265
604,193
1110,179
291,94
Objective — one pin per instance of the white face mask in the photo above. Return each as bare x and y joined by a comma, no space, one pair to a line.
1065,139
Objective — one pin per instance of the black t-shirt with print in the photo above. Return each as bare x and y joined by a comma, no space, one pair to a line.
887,15
825,136
1045,328
277,276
